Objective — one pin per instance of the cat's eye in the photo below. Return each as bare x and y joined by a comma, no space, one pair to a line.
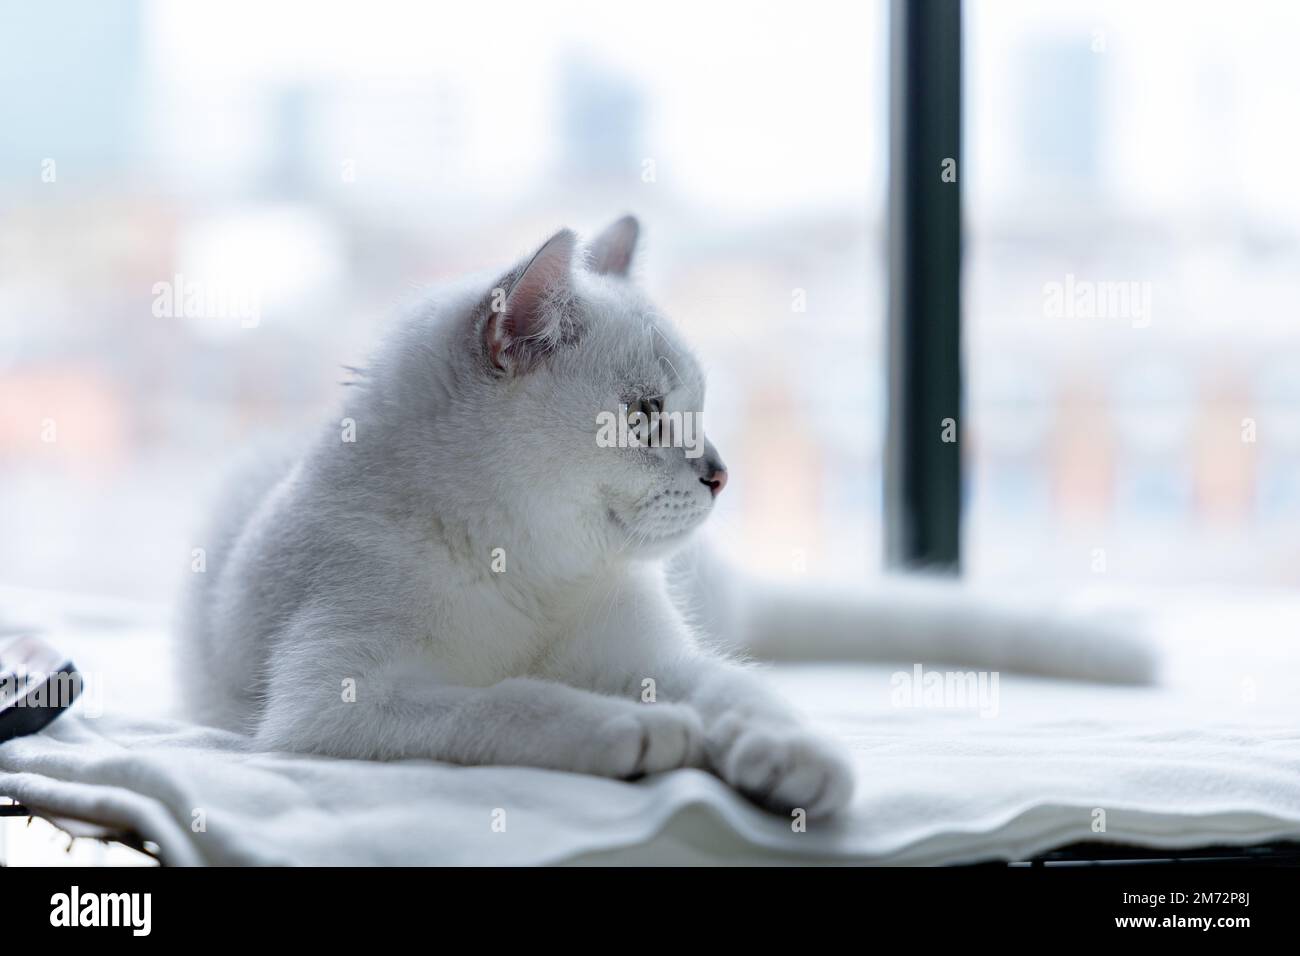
645,416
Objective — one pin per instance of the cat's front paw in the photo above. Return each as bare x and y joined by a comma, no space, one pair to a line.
648,739
784,767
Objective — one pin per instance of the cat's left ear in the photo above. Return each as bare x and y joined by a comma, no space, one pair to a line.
611,252
530,313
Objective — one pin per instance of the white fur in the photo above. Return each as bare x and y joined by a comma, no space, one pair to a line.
370,564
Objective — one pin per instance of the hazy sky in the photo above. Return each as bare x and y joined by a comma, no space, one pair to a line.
740,103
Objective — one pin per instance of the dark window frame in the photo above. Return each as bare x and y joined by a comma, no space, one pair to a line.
923,451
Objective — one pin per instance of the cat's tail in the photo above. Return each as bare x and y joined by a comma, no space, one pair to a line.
909,619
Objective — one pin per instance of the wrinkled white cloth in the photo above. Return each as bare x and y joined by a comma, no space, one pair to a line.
1212,755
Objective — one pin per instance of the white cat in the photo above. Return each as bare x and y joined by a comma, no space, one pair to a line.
458,568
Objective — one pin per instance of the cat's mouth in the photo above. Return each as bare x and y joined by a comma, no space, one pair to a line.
661,519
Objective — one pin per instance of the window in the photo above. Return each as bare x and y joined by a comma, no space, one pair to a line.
1132,273
304,165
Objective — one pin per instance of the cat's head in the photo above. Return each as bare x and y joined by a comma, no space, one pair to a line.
572,406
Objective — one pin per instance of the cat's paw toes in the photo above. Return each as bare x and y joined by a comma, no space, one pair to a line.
788,768
653,738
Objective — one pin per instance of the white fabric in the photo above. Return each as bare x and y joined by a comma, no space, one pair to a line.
1212,756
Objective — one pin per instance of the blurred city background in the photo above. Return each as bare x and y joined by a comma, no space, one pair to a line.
325,159
1146,143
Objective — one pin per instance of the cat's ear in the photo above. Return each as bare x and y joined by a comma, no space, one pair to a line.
611,252
529,313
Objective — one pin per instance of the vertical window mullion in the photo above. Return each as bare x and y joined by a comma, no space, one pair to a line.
923,451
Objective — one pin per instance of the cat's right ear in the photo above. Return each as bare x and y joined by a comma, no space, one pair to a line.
529,313
611,252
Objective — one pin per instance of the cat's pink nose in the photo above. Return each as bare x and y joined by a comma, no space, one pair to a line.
716,481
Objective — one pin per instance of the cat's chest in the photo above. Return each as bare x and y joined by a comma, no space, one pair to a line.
478,634
486,627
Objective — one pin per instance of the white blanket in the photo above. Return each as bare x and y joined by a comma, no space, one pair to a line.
1211,756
